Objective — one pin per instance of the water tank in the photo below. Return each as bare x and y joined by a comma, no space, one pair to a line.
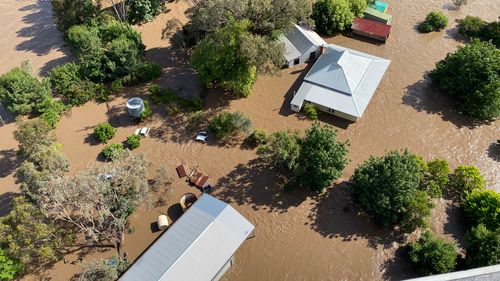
135,106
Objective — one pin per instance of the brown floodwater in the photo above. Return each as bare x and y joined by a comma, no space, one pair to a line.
299,236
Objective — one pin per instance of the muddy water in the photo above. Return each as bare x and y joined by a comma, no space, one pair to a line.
297,239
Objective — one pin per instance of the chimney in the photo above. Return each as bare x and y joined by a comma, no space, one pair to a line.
322,49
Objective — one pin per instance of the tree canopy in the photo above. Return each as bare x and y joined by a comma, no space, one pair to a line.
335,15
483,207
282,150
476,27
464,180
228,125
471,75
8,267
483,246
433,255
71,12
434,21
388,188
322,158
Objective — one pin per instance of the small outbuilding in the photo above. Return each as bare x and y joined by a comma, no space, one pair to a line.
301,45
341,82
199,246
376,15
371,29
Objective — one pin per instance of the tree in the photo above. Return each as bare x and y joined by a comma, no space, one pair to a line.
321,160
387,188
358,7
432,254
256,138
103,270
228,125
491,31
465,179
143,10
8,267
71,12
99,200
21,92
31,238
483,207
113,151
434,21
282,150
32,135
470,26
104,132
471,75
332,15
435,177
483,246
133,141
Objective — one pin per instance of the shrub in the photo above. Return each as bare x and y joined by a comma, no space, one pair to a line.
143,10
436,177
256,138
470,26
8,267
51,112
104,132
483,207
133,141
33,134
332,15
147,112
491,31
321,160
471,75
387,188
434,21
145,71
465,179
227,125
482,247
433,255
113,151
67,13
21,92
83,39
64,76
310,111
197,120
282,150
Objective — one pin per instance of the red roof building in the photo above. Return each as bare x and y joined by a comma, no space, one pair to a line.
371,29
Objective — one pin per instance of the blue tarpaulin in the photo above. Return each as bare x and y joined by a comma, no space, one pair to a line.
380,6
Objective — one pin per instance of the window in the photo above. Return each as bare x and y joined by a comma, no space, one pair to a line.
296,61
312,55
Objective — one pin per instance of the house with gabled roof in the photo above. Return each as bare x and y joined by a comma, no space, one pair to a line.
301,45
341,82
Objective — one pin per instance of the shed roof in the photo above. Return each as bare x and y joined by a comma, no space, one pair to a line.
371,27
377,15
298,40
342,79
195,247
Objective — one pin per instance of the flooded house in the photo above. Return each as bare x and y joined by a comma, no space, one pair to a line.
301,45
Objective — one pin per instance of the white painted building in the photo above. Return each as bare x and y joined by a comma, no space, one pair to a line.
341,82
301,45
199,246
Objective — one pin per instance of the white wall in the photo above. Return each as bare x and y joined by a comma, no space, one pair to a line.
305,56
336,112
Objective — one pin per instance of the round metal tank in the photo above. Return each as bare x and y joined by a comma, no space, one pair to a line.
135,106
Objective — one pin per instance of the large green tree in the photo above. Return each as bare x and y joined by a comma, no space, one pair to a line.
23,93
71,12
464,180
143,10
28,236
483,207
433,255
322,158
388,188
282,150
332,15
471,75
483,246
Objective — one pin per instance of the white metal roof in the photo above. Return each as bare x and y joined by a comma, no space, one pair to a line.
342,79
195,247
298,40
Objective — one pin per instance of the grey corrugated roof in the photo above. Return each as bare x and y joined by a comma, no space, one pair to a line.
342,79
298,40
195,247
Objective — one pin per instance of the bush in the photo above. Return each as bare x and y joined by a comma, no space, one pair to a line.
113,151
282,150
143,72
332,15
321,160
67,13
465,179
434,21
483,207
8,267
310,111
197,120
256,138
227,125
21,92
471,75
491,31
387,188
147,112
33,134
436,177
143,10
104,132
470,26
433,255
482,247
133,141
51,112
